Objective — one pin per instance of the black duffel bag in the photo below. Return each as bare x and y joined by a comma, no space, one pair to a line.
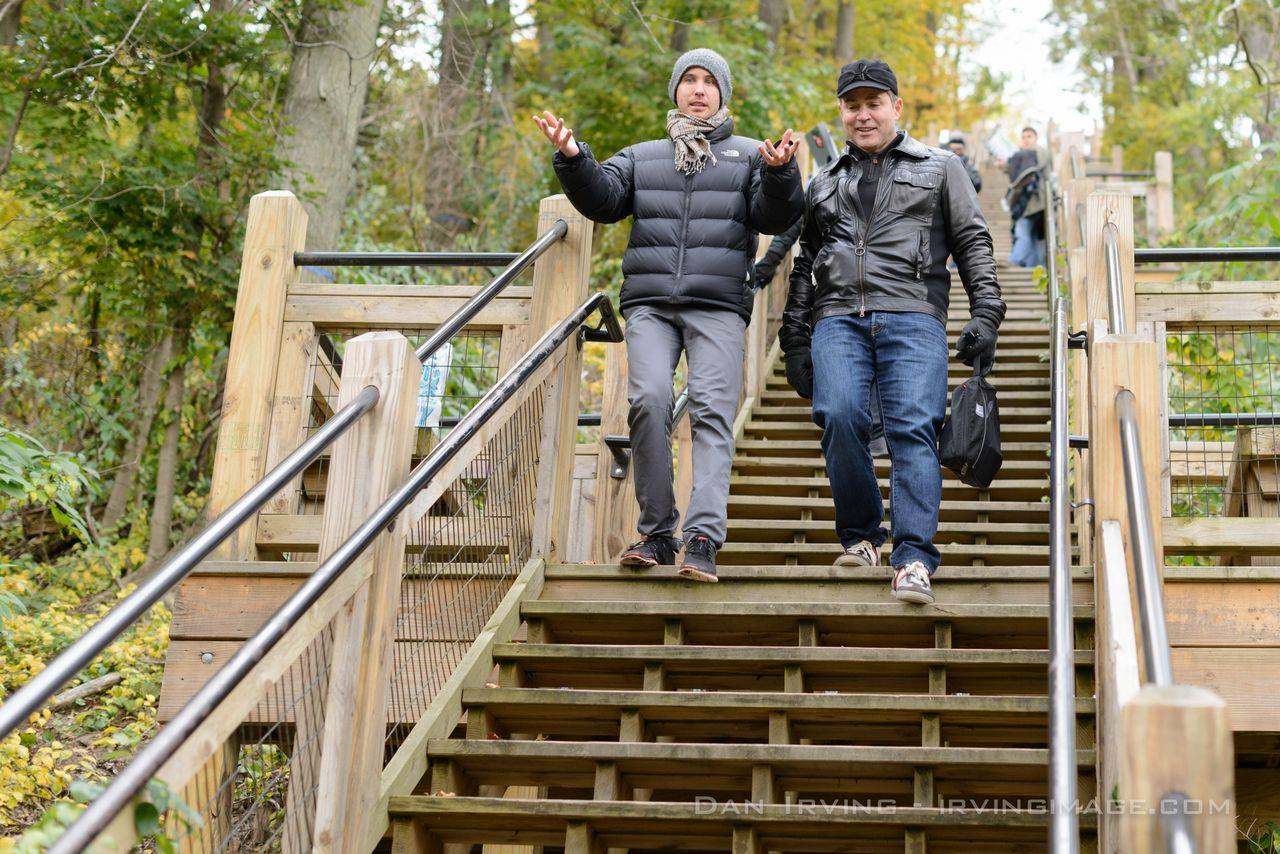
970,443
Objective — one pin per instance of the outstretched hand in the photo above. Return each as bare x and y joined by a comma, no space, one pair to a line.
560,136
782,153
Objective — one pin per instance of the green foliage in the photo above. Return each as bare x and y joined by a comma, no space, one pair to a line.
33,477
1264,839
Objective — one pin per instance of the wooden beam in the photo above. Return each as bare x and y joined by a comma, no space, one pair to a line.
1108,207
1162,195
367,463
395,311
276,228
1219,535
616,508
1177,739
561,279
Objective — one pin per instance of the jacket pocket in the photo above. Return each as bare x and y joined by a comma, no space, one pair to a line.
913,193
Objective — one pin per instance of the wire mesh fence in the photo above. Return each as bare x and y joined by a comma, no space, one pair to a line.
464,370
258,792
463,555
1224,400
1223,386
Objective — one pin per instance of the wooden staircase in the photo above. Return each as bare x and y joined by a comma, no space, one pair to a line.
793,706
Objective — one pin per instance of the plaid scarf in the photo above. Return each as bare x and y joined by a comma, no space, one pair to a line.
689,133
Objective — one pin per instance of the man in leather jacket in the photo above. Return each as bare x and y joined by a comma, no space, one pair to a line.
868,303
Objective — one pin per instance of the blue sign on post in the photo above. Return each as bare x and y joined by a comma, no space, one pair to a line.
435,372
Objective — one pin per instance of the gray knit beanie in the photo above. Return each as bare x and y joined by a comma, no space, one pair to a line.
707,58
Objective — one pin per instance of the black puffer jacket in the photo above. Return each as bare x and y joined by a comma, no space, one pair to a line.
894,257
693,240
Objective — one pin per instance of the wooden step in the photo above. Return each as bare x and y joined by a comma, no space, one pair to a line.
422,822
1017,626
1025,490
682,771
789,506
743,528
802,466
809,447
953,583
757,429
736,551
564,714
1008,414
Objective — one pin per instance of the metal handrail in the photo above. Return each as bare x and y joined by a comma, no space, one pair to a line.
1149,588
403,259
485,295
1223,419
1155,637
1064,828
1192,254
31,696
1050,225
1115,279
134,776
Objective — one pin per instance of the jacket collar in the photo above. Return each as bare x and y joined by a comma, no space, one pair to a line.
905,145
723,132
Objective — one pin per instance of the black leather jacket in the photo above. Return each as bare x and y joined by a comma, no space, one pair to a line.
925,210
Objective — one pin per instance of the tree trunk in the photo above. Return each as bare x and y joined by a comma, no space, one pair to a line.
1258,33
10,14
148,397
844,31
773,14
452,125
323,102
679,37
167,464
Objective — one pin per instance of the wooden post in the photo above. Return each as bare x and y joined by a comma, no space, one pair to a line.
1117,362
291,406
366,464
1117,159
561,278
276,228
1162,202
1109,208
1177,739
616,508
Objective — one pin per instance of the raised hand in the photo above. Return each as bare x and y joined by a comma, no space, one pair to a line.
782,153
560,136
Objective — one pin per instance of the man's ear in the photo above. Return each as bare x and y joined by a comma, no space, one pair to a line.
897,107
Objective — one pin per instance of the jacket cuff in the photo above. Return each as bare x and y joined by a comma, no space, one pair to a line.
569,164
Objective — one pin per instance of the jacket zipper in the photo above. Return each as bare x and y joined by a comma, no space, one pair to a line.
860,252
861,249
684,233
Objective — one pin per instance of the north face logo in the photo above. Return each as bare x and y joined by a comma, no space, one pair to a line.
729,152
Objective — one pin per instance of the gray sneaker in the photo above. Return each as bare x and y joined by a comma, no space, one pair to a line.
862,553
911,584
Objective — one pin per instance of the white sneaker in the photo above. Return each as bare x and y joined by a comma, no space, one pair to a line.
860,554
911,584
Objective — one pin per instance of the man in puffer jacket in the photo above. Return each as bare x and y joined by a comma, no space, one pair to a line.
698,198
868,304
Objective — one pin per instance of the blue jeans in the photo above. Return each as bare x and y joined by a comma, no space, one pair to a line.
1027,251
905,353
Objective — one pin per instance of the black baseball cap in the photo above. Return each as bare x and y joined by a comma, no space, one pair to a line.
867,74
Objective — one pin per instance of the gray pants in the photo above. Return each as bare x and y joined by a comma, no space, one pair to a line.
713,342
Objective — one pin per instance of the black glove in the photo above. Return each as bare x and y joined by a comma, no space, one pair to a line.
978,343
800,373
762,274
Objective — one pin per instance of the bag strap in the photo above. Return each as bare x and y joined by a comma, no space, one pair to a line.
977,367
